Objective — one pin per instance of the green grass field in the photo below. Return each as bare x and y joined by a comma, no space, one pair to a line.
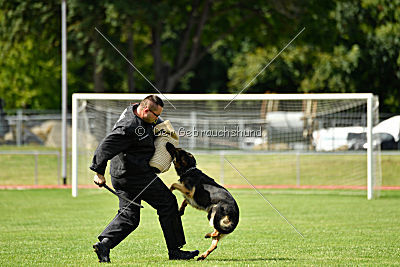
49,227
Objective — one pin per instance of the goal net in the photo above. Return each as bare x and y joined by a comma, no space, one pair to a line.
274,140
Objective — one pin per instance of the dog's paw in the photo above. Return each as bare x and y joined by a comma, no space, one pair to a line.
181,212
208,235
201,257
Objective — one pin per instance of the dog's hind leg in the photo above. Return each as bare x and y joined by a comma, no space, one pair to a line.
214,243
213,234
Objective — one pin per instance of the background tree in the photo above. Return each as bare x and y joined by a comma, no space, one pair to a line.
200,46
30,65
356,50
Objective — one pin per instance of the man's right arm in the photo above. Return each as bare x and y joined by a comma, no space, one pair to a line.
112,145
99,179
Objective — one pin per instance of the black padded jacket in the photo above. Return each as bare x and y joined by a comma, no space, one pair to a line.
129,146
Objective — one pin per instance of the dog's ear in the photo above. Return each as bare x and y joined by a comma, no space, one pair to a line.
171,149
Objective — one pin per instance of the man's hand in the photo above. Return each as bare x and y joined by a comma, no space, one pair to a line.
99,179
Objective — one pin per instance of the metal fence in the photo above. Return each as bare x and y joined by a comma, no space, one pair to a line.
52,175
15,130
16,125
36,155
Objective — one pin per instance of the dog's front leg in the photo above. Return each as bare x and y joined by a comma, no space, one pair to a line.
180,187
183,206
174,186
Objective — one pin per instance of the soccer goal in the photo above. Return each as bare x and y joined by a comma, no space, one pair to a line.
275,140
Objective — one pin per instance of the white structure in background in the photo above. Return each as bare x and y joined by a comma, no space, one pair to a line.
285,119
332,139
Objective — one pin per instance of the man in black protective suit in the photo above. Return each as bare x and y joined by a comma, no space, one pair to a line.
130,146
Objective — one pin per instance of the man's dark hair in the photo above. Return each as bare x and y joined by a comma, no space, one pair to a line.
152,100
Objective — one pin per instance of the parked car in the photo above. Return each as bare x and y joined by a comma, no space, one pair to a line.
386,134
389,133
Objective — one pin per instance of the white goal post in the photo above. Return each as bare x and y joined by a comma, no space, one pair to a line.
317,131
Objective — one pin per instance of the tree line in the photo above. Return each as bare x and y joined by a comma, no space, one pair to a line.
200,46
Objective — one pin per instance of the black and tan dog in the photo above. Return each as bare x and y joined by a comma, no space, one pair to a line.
203,193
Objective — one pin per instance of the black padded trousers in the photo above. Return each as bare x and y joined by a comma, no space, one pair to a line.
158,195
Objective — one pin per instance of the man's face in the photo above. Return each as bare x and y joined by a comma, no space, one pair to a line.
151,113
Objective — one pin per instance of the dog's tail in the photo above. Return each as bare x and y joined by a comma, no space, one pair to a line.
226,218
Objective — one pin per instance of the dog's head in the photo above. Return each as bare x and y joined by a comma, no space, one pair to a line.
182,159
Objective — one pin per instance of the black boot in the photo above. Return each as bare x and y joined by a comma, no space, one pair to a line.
178,254
102,251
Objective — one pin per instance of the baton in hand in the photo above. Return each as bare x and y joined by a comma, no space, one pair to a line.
124,198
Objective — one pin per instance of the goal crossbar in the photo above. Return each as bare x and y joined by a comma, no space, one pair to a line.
224,97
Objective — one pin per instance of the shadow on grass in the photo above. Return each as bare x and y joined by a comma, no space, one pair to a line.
254,259
389,194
